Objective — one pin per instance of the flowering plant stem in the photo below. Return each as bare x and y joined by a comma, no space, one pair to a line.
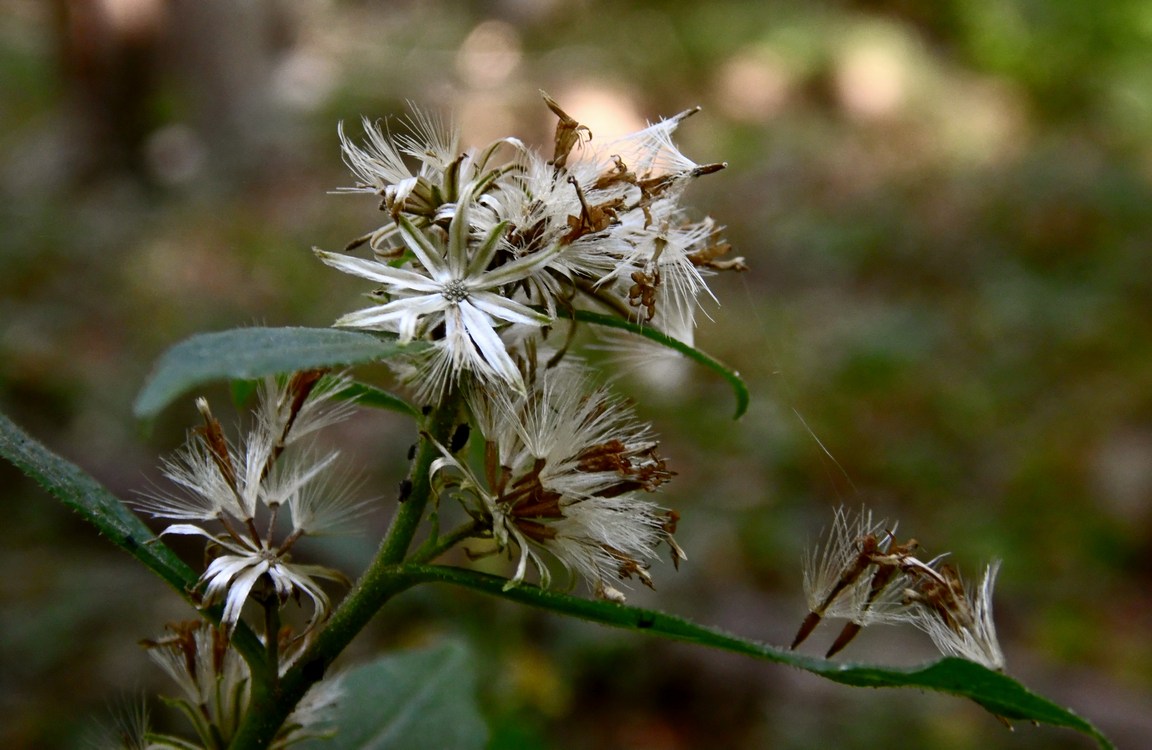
998,693
275,696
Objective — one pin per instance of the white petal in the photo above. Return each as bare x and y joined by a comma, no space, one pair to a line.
491,347
188,529
421,246
520,268
506,309
385,317
238,593
376,271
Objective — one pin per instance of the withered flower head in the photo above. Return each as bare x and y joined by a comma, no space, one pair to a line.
564,471
481,242
214,684
862,574
959,619
233,495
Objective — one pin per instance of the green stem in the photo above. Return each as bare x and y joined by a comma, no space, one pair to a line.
272,635
993,690
612,303
438,428
433,547
271,704
246,642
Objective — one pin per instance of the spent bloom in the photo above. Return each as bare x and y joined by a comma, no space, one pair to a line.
565,466
213,682
234,494
479,242
455,293
861,574
959,619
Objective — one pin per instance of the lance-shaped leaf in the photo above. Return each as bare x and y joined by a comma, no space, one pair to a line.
93,501
83,494
739,389
378,398
248,353
995,691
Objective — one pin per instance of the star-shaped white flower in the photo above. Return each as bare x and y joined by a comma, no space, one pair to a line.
233,494
451,285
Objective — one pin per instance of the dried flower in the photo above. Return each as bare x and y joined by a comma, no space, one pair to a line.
864,576
214,684
841,578
957,619
127,728
564,466
476,247
233,496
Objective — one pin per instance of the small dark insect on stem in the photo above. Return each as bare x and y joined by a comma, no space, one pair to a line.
405,490
459,438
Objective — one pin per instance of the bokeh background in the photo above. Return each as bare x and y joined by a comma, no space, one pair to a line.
947,210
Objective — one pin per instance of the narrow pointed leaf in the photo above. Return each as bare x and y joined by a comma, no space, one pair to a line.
378,398
997,692
248,353
94,503
82,493
739,389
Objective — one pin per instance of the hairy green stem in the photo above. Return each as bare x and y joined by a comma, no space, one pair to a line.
273,700
433,547
993,690
272,636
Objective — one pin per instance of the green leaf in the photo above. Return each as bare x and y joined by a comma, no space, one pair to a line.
377,398
242,391
995,691
739,389
414,699
363,393
83,494
248,353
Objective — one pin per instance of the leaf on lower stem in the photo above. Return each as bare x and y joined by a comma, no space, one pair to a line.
424,698
82,493
995,691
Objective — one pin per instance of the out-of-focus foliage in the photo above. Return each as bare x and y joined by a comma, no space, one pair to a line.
946,210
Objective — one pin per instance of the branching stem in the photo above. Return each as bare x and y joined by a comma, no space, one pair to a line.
273,700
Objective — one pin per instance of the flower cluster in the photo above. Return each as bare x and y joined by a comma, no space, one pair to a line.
864,576
214,689
564,467
233,495
484,248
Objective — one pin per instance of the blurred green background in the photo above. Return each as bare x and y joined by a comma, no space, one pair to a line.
947,208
